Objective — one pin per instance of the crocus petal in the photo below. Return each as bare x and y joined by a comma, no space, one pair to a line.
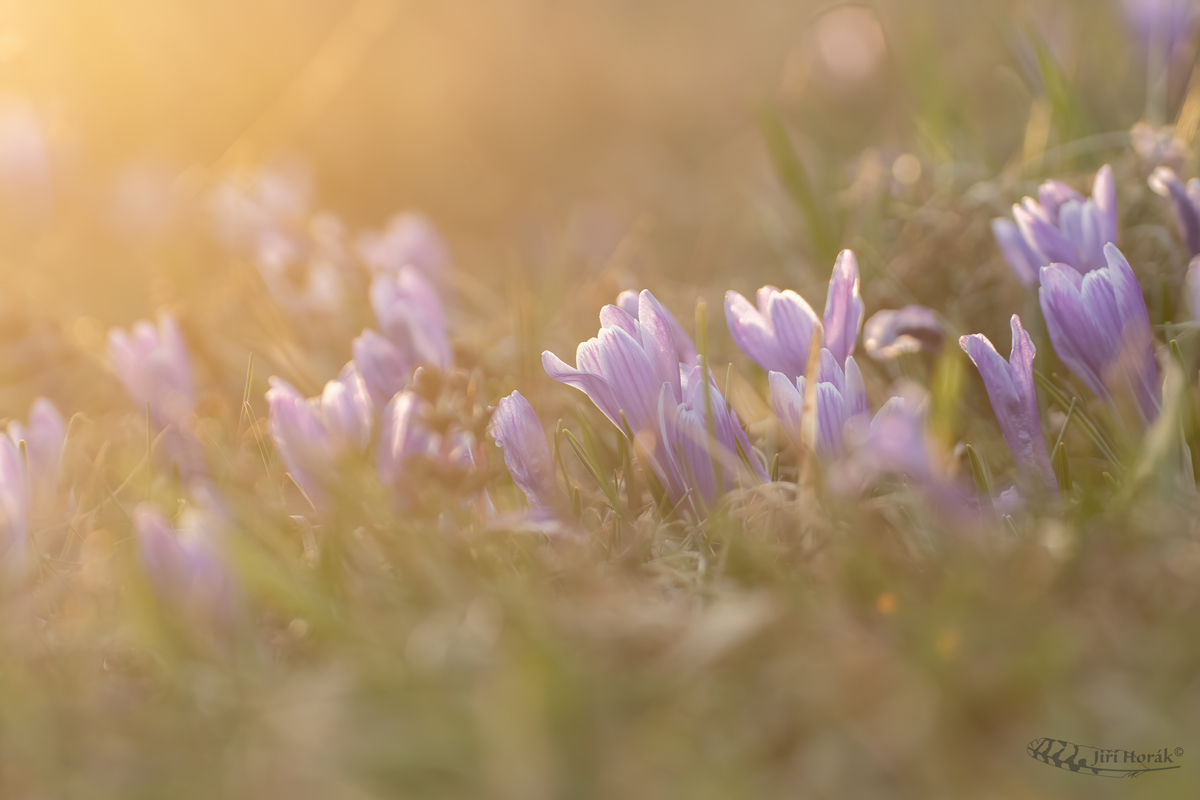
787,398
1016,251
402,437
517,429
44,438
300,437
153,366
843,308
633,377
912,329
627,301
857,406
658,341
1137,344
1052,195
410,314
754,336
592,384
1104,195
1045,239
384,369
346,411
794,323
1164,181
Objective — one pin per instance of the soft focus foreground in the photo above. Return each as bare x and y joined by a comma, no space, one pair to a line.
395,410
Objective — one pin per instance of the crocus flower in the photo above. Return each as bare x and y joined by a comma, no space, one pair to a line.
1164,25
777,334
409,240
1185,204
410,315
1010,388
627,301
891,333
841,404
1100,329
185,568
152,364
385,370
44,437
313,435
403,436
1060,226
517,429
14,505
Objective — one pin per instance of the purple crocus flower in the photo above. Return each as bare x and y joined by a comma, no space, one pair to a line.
152,364
1100,329
44,438
777,334
385,370
627,301
631,369
185,568
1061,226
409,240
517,429
1185,204
1010,388
891,333
410,315
403,436
14,505
1167,25
346,411
841,405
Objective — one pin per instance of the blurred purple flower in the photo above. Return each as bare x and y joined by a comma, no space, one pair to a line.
1193,288
14,506
410,315
777,334
627,301
186,568
44,438
1060,226
403,436
841,405
517,429
409,240
1100,329
1165,25
891,333
152,364
1185,204
1010,388
346,411
384,369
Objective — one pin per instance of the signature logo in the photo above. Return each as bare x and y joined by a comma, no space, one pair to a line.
1100,761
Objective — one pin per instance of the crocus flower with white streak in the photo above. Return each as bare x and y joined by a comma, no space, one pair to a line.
777,334
153,366
841,405
627,301
1010,388
313,435
518,431
409,240
185,568
892,333
1185,204
631,369
1100,329
403,436
44,438
1061,226
410,315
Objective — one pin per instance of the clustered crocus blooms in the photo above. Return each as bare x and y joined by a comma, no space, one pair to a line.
186,568
1010,388
44,437
1185,204
409,240
313,436
840,404
778,333
1059,227
892,333
631,371
410,316
1100,329
518,431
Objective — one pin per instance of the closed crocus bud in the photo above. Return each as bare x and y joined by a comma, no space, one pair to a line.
892,333
403,436
1010,388
301,439
153,366
1100,329
517,429
346,411
44,438
841,402
384,369
1016,251
410,314
1185,204
843,308
185,568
